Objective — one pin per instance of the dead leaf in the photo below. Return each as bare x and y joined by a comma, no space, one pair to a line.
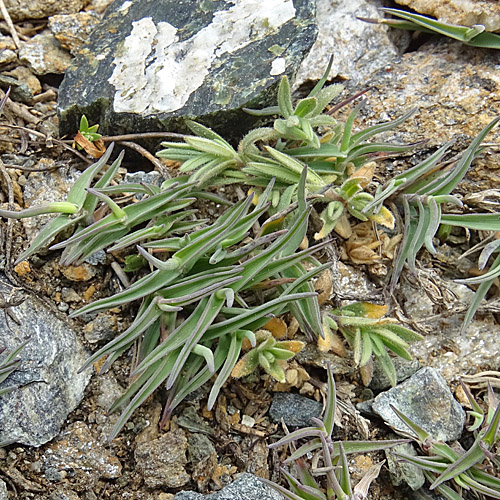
324,286
331,342
366,372
95,149
277,327
365,173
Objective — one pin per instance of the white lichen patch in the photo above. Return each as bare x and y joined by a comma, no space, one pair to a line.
278,66
125,6
155,72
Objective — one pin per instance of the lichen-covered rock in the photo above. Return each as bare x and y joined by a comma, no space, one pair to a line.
73,30
50,386
150,64
246,487
79,452
44,55
358,48
20,10
455,90
161,462
426,400
465,12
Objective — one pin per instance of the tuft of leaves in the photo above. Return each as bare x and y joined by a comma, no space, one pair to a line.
450,470
268,353
302,135
369,333
199,304
331,463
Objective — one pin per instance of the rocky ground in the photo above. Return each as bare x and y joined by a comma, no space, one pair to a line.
58,422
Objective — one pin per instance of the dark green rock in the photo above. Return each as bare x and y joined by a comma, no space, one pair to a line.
294,409
152,63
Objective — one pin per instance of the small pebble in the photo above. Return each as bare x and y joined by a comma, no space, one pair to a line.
248,421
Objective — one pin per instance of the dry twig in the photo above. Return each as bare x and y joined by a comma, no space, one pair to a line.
10,24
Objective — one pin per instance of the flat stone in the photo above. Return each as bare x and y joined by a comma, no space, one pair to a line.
50,386
20,10
44,55
465,12
358,48
425,399
150,64
246,487
203,458
161,462
294,409
79,452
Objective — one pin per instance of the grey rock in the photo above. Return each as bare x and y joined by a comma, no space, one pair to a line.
403,367
19,91
153,178
77,451
296,410
50,386
358,48
100,257
246,487
70,295
109,390
44,55
45,187
150,64
404,472
4,495
190,420
425,399
102,327
20,10
161,462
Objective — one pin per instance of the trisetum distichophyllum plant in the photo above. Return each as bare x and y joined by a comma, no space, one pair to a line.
453,470
328,477
302,135
199,302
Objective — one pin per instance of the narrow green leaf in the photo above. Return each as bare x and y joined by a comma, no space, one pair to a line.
284,98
